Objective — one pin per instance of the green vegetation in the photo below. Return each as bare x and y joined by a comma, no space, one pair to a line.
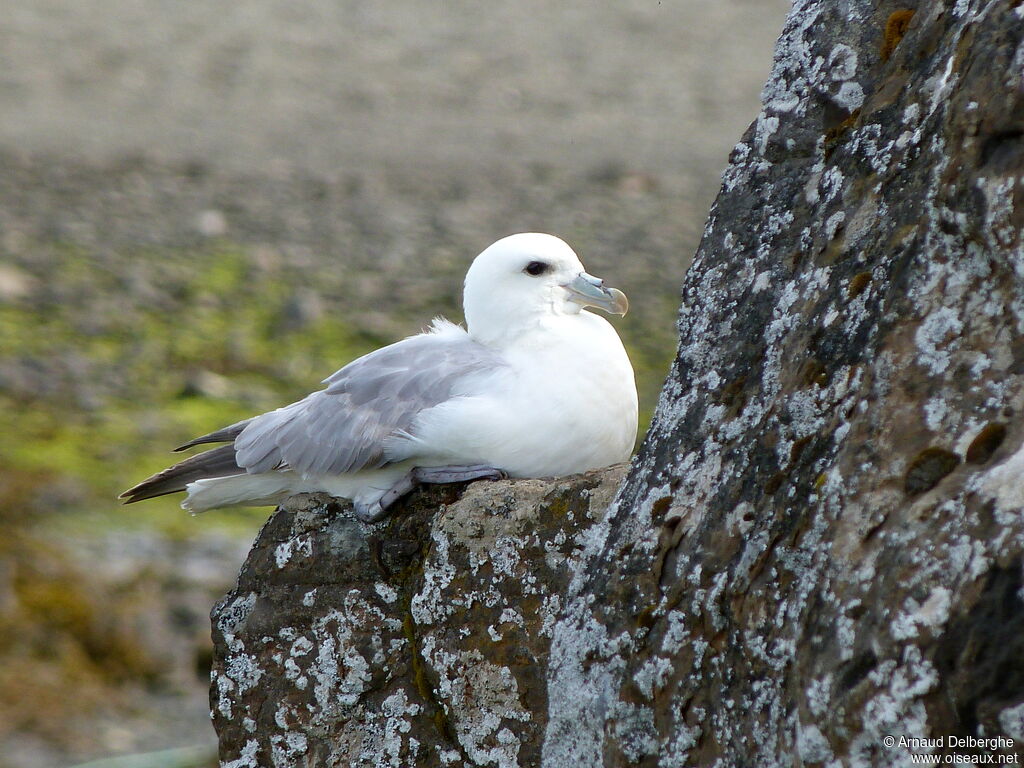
108,376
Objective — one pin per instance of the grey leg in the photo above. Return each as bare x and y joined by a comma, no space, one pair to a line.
434,475
368,513
371,513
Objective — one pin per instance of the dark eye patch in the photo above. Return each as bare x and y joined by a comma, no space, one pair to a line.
535,268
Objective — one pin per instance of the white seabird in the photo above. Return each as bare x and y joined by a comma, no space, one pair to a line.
535,386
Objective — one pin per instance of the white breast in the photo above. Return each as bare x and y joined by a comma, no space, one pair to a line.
566,403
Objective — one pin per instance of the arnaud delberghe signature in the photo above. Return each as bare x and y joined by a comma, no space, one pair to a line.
991,743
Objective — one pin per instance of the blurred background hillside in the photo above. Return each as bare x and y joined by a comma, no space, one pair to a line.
206,208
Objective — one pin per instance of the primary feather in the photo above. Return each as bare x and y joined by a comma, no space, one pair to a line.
219,462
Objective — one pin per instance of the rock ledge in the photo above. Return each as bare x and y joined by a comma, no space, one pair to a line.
421,640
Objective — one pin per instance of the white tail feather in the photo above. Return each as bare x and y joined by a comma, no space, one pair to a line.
264,489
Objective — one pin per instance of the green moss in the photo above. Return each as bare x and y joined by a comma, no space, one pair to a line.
424,686
86,630
558,507
114,363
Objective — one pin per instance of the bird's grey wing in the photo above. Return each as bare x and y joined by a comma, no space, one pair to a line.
343,427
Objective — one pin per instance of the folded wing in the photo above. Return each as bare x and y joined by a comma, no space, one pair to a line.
343,428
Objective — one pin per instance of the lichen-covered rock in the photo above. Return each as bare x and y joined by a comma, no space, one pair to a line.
820,543
421,640
817,554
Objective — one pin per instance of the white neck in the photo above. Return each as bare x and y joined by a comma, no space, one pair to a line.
498,321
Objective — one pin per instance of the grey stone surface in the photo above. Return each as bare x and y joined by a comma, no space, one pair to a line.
820,542
421,640
819,545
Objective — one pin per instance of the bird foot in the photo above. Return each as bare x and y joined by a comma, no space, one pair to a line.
378,510
369,513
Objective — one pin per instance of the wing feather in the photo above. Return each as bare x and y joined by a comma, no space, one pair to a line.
217,462
343,428
225,435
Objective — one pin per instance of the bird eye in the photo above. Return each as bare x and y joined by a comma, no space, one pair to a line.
535,268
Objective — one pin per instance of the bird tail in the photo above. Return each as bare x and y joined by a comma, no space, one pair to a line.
218,462
240,490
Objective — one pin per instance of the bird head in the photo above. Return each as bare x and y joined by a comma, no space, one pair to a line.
522,279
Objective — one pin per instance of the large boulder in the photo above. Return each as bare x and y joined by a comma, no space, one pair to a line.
816,557
421,640
817,554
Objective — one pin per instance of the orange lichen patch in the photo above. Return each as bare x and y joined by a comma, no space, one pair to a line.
895,29
834,135
985,444
857,285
